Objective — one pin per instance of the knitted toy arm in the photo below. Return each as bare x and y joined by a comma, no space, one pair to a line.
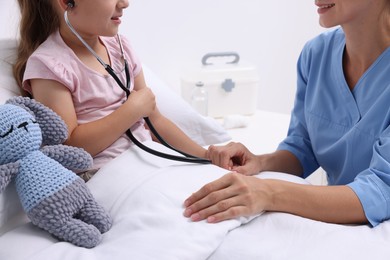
7,172
70,157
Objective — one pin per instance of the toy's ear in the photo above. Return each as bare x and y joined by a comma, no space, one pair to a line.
54,129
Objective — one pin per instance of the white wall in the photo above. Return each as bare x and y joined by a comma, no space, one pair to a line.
169,35
9,18
270,34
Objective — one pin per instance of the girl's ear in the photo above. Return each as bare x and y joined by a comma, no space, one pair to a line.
54,129
66,4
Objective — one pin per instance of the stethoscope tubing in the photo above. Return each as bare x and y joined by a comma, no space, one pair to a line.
187,157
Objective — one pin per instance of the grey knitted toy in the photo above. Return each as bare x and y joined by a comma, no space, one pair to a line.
54,197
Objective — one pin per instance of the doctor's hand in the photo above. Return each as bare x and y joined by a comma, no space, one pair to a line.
231,196
142,101
234,157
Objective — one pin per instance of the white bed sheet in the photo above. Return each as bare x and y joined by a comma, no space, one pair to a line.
281,236
144,194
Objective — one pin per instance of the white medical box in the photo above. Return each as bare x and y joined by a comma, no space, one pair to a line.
231,85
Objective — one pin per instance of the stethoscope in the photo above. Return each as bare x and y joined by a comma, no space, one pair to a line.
187,157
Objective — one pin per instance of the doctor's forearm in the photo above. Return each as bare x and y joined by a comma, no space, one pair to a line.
280,161
332,204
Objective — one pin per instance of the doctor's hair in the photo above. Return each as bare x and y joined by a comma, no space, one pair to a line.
38,20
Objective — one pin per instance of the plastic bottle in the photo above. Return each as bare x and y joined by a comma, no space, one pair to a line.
199,98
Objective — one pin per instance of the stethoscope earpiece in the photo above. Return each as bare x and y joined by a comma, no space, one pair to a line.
71,4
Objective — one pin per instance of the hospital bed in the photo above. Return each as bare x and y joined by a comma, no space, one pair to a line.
144,194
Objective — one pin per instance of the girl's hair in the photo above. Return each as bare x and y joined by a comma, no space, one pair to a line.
385,16
39,19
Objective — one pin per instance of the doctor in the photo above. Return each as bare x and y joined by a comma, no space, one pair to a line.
340,122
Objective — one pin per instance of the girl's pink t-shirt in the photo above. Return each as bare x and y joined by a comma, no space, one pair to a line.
94,95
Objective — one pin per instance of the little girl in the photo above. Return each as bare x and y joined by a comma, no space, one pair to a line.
56,69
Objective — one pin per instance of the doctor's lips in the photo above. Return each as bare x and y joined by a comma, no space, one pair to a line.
325,6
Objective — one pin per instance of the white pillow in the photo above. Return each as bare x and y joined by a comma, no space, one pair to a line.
8,86
201,129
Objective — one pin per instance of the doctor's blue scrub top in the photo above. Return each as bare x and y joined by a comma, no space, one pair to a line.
345,132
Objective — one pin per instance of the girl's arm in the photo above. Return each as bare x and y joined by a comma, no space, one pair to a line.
95,136
168,130
175,136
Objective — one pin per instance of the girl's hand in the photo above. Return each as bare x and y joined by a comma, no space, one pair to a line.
142,101
231,196
234,157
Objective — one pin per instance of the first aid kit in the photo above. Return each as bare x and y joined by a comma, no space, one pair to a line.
218,89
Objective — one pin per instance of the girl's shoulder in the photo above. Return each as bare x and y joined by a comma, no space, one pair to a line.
53,48
52,60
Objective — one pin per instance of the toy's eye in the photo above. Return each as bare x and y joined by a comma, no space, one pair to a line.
23,125
34,121
7,133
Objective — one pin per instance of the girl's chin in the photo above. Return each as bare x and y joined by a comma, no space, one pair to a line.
110,34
